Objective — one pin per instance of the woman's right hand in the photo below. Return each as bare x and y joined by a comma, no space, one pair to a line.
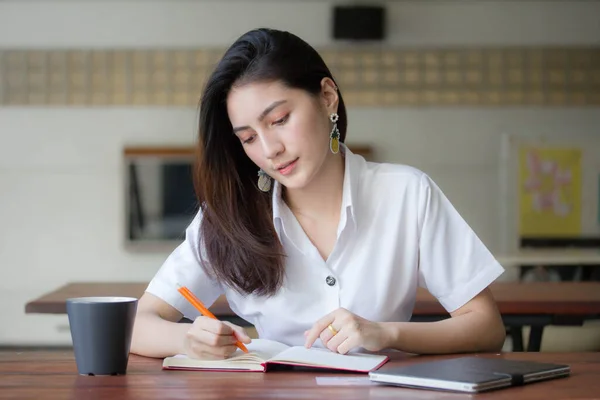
213,339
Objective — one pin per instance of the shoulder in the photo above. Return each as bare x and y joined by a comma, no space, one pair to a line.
389,185
387,170
393,177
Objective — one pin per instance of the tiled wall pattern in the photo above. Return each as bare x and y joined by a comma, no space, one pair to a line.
389,77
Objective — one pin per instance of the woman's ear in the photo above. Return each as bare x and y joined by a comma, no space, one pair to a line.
329,94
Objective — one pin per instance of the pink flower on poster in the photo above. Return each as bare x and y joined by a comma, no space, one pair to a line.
546,183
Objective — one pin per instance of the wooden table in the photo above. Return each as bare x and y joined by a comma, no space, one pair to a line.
53,375
55,302
551,257
521,304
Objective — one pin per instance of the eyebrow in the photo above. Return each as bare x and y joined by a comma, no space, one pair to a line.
262,115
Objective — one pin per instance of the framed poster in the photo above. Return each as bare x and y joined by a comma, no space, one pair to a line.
550,191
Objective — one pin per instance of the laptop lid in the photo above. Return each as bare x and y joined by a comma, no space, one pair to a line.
469,374
520,371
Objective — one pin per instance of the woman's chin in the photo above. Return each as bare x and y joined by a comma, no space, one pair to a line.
294,182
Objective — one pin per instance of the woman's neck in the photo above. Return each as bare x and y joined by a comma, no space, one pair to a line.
322,198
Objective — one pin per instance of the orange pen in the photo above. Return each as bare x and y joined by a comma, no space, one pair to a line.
200,307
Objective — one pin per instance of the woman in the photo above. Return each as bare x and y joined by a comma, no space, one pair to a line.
309,242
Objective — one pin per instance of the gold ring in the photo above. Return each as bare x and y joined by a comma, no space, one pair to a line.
332,329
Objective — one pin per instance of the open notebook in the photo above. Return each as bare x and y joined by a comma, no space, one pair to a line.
262,352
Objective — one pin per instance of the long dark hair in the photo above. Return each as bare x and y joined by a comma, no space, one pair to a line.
240,245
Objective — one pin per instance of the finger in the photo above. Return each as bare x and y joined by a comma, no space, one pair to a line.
213,325
338,339
197,349
347,345
212,339
223,351
326,336
317,329
239,332
204,351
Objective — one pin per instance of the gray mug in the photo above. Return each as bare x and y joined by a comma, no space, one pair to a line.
101,330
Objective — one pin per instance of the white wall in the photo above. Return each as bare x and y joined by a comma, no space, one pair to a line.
61,188
207,23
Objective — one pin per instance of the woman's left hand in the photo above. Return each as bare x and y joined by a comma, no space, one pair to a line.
341,331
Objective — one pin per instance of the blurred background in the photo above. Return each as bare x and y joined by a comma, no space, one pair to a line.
498,101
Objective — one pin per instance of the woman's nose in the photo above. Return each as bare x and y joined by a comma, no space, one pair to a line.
272,146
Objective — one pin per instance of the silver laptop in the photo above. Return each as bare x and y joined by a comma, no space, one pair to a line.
471,374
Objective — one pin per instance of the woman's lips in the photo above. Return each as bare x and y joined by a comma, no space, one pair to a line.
288,168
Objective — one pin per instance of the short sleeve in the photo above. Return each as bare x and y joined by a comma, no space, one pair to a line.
183,267
454,265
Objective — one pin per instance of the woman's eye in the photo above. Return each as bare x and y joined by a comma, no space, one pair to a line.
281,121
249,140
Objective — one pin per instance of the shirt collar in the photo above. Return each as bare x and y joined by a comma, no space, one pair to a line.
350,189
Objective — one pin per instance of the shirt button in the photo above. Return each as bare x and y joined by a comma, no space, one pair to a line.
330,280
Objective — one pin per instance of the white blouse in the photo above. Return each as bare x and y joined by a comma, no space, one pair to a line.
397,231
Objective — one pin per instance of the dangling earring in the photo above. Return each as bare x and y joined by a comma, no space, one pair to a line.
334,136
264,181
